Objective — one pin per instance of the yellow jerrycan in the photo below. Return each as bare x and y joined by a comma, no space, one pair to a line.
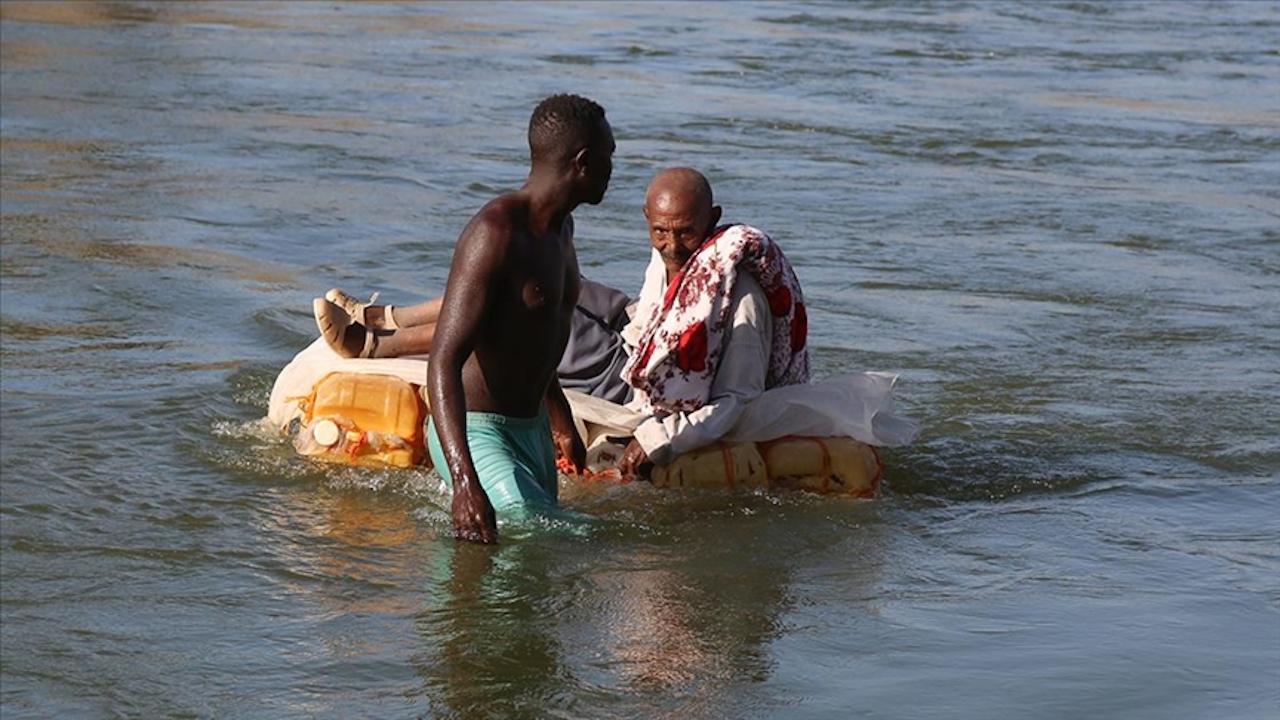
829,466
363,419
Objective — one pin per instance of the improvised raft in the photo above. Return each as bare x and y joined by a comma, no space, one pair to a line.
372,413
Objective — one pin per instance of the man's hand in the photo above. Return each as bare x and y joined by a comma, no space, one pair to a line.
564,434
569,446
635,461
473,516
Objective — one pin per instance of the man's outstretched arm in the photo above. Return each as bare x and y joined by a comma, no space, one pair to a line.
477,261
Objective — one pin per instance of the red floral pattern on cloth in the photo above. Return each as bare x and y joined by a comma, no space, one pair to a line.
680,349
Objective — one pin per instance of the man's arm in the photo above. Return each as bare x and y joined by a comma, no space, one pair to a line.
477,263
563,432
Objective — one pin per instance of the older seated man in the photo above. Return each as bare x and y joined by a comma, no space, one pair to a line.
721,319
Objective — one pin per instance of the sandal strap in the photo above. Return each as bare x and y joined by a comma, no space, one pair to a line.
370,343
359,310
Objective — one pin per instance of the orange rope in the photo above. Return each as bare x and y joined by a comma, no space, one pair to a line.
826,464
728,464
764,446
874,490
355,447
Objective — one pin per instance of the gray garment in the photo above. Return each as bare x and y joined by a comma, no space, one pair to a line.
594,356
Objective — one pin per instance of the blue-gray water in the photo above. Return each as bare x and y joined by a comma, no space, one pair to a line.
1058,222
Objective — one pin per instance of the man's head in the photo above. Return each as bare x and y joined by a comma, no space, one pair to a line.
681,214
568,135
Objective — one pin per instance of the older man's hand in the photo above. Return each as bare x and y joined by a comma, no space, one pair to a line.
635,463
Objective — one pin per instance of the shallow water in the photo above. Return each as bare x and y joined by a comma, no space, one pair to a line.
1059,223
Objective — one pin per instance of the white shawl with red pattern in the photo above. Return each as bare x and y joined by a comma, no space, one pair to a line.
680,347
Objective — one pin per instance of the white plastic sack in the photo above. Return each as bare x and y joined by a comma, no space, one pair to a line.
856,405
311,365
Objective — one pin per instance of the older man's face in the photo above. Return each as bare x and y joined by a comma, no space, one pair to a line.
678,224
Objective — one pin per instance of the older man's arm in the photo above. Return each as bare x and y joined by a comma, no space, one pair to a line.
739,380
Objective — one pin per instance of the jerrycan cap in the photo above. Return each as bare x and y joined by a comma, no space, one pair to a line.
325,432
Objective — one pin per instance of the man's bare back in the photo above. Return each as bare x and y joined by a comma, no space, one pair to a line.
512,287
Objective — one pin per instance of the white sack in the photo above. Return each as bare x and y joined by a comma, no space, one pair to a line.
856,405
311,365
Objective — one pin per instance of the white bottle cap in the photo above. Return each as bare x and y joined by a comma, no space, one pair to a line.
325,432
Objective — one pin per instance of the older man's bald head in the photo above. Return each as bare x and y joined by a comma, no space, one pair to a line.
681,214
679,187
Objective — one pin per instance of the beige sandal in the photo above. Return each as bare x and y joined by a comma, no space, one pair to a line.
355,308
333,322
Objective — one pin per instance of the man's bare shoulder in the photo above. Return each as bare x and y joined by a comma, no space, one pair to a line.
502,216
493,229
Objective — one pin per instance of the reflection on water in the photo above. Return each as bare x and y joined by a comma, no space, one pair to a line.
529,625
1058,222
680,627
653,630
487,640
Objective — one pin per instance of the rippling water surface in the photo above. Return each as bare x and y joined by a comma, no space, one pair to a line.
1060,223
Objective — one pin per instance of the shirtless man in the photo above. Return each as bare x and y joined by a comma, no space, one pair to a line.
504,321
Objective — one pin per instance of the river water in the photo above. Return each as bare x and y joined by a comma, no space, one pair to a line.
1059,223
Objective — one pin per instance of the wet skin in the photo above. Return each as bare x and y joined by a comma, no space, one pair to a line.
515,292
505,319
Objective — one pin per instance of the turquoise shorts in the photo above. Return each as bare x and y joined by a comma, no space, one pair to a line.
514,458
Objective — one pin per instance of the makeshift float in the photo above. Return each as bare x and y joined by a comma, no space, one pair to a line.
819,437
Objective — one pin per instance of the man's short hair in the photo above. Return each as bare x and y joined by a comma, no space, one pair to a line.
561,125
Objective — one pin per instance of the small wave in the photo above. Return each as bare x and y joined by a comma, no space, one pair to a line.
570,59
